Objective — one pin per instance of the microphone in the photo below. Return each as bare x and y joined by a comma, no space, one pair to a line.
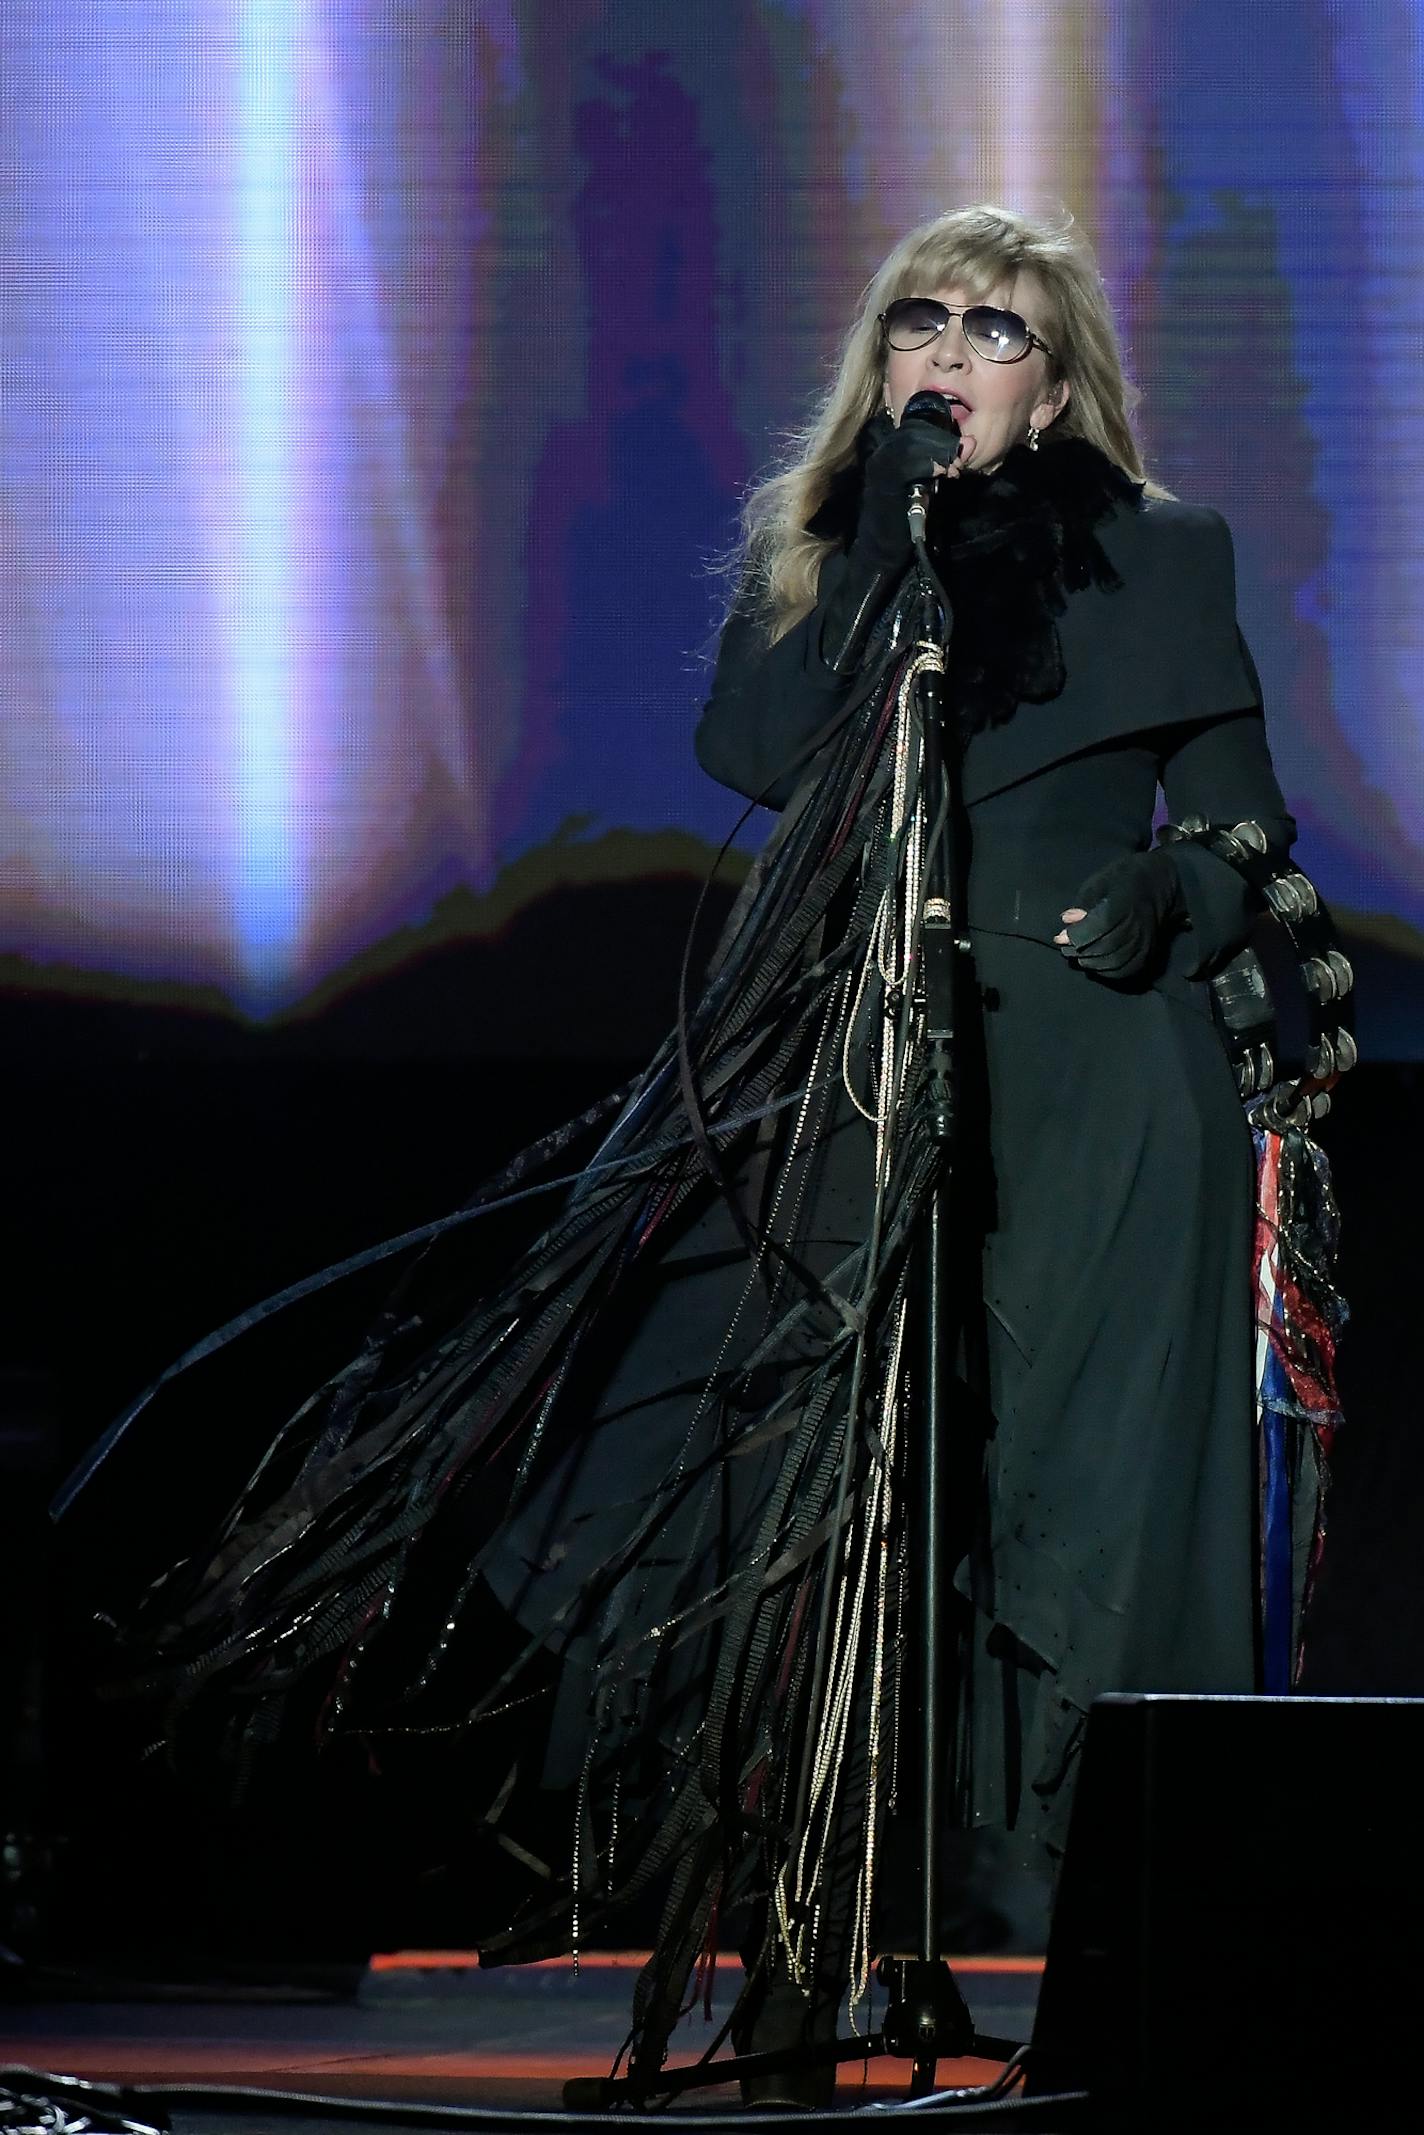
930,408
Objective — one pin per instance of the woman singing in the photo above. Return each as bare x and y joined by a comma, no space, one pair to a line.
661,1469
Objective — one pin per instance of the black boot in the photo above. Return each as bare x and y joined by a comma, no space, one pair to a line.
777,2017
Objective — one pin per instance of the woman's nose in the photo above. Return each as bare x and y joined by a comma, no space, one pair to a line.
950,350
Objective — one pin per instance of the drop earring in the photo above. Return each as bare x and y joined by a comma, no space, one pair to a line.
1032,438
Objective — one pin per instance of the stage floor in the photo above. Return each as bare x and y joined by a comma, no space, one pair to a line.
430,2026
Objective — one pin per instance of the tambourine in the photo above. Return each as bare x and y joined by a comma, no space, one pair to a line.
1242,997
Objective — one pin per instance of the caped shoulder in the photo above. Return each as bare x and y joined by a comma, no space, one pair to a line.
1161,540
1159,648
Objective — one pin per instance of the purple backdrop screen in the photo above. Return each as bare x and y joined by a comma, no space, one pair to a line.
380,383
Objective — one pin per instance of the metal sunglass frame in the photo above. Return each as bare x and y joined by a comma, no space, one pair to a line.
964,312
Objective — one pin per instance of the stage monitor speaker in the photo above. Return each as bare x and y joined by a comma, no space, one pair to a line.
1236,1934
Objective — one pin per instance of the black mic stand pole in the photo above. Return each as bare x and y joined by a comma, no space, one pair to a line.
927,2018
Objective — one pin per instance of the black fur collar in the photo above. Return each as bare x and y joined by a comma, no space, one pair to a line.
1010,547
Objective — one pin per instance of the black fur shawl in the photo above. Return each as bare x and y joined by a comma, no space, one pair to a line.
1010,547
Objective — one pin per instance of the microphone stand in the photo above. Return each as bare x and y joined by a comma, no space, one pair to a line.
926,2019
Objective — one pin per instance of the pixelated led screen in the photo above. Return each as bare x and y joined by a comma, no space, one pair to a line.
380,382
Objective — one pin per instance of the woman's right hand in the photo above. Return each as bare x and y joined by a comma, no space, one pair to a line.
916,451
895,460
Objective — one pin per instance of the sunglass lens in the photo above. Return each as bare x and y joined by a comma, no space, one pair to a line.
913,321
1002,336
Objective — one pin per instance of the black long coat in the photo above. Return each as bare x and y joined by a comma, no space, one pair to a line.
1115,1548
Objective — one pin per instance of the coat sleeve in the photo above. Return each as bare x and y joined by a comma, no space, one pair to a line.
767,700
1221,769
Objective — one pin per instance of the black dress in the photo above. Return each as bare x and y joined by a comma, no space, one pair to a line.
656,1465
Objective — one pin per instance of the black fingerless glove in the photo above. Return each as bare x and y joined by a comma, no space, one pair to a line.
898,458
1129,909
882,547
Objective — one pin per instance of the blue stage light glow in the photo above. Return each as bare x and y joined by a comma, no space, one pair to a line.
264,592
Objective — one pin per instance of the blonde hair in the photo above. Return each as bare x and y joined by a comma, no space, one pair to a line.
979,250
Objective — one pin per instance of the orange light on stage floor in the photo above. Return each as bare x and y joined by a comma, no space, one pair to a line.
631,1961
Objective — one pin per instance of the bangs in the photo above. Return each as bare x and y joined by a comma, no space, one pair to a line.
978,269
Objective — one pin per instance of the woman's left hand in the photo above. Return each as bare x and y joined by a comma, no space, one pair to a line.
1121,913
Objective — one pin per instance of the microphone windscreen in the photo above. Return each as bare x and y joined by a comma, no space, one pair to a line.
931,408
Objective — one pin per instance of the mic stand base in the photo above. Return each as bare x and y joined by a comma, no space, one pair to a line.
926,2022
928,2018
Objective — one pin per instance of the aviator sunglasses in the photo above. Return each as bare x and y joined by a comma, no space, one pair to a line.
1000,336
